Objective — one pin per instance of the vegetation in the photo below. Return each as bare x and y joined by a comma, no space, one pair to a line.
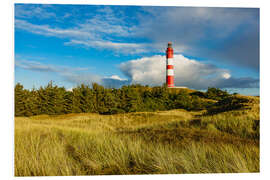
145,131
228,103
54,100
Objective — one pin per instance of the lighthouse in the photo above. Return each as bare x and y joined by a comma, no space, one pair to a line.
169,66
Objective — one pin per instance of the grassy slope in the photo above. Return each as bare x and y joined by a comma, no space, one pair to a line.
173,141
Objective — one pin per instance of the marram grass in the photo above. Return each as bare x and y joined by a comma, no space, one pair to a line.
168,142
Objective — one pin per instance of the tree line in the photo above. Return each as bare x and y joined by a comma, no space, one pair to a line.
54,100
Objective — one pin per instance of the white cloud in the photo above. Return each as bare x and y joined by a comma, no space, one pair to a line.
226,75
101,31
30,11
116,77
73,75
187,72
89,34
149,71
48,31
126,48
37,66
114,81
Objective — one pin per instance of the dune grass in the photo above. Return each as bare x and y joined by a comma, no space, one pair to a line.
165,142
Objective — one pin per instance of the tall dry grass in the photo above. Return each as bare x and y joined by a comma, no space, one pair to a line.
168,142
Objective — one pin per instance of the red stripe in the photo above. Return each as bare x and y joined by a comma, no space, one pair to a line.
169,53
170,81
169,66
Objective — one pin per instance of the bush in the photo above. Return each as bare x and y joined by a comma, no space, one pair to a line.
227,104
216,94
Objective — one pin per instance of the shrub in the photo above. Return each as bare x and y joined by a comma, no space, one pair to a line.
227,104
216,93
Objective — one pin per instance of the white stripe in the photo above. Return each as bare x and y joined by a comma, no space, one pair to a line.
170,61
170,72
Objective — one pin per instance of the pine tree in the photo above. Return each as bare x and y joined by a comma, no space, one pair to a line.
68,103
98,91
132,99
86,99
111,102
42,101
76,100
19,95
32,102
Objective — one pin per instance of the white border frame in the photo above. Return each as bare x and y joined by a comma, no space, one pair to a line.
7,85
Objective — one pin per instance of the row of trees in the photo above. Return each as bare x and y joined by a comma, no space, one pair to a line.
54,100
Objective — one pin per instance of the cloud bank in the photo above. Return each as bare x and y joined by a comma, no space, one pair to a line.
150,71
229,35
188,72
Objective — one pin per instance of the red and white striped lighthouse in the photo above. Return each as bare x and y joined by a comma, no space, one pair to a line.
169,66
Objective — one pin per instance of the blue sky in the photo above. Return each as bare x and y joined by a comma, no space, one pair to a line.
118,45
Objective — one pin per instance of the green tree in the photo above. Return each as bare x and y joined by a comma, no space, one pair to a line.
20,100
68,102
